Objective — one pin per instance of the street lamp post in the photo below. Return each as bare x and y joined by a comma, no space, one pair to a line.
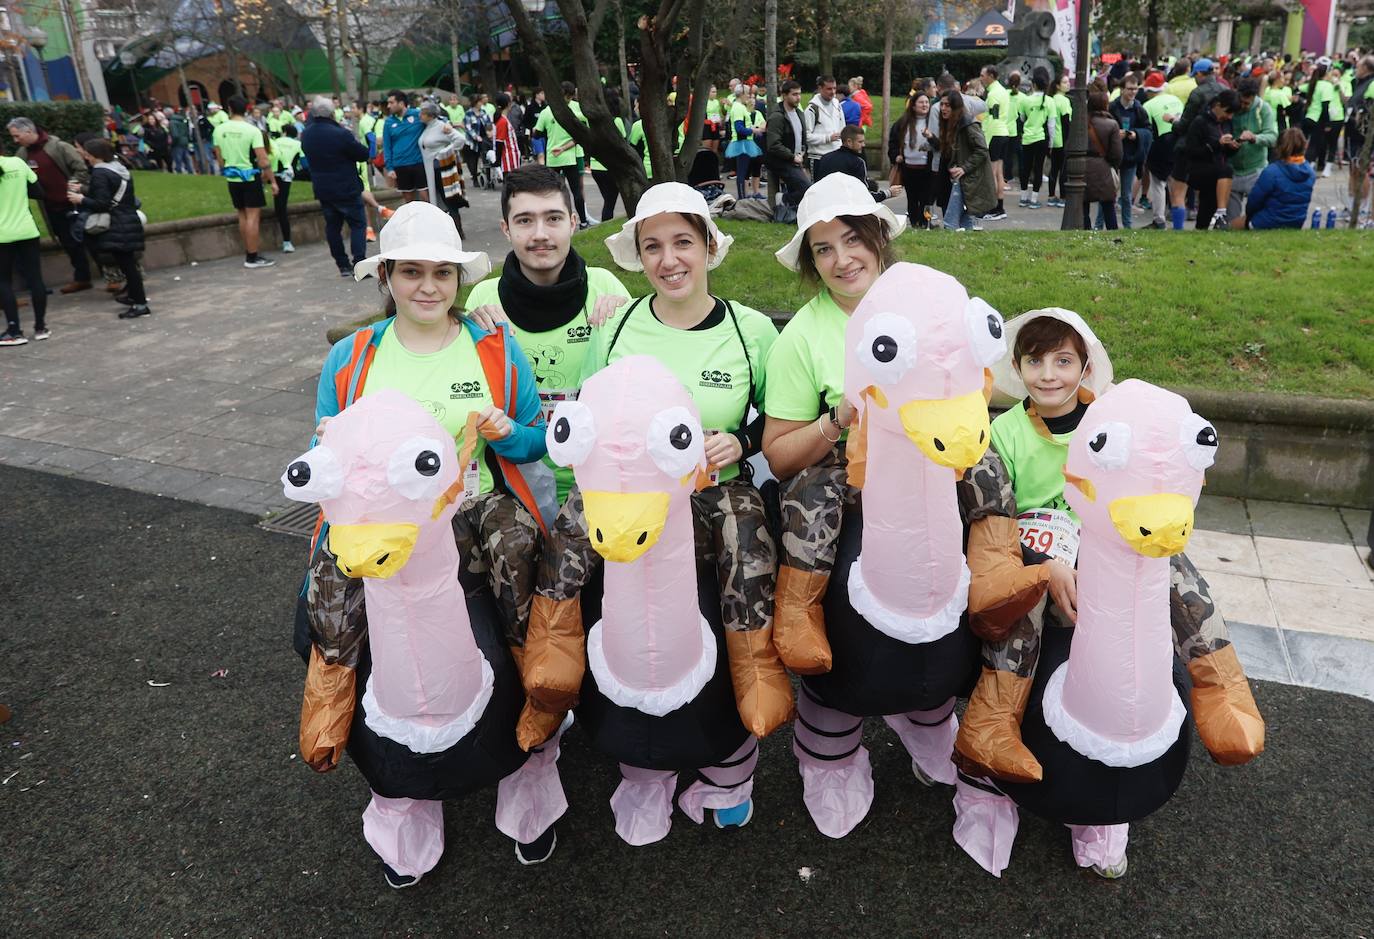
1075,163
38,41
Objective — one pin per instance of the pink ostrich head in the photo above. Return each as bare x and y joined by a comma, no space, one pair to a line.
1136,468
635,444
388,471
917,348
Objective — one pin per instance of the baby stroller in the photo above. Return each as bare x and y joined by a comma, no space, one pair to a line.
704,176
489,175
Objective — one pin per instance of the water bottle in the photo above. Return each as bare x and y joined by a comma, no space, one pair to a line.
1317,219
1331,218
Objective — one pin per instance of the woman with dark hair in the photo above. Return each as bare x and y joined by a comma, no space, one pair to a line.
1037,112
111,193
1059,135
1316,124
964,154
912,146
1103,157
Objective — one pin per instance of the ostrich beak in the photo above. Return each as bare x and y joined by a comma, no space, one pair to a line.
624,525
1157,526
377,550
951,432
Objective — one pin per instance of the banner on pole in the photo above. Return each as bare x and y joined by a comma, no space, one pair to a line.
1065,39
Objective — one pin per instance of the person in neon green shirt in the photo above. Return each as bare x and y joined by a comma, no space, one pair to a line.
1040,114
277,119
1279,96
286,149
19,248
605,182
455,111
1322,100
719,350
1063,115
561,152
554,302
242,156
999,126
715,131
1057,366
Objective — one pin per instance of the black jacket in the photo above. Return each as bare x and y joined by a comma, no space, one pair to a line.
842,160
125,234
333,154
780,141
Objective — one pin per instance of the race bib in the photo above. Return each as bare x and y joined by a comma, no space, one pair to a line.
1052,532
714,474
548,400
472,480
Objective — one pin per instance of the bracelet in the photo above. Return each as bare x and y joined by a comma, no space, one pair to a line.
822,432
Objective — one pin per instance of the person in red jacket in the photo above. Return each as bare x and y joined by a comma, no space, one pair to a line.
860,97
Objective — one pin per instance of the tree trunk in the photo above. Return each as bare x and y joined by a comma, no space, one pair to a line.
453,53
770,53
486,65
827,65
1152,30
350,77
599,136
626,111
331,52
887,84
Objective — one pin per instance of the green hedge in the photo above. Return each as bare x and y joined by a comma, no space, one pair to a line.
962,64
65,119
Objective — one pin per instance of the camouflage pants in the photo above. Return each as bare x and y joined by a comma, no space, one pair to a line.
813,504
1198,629
731,533
498,538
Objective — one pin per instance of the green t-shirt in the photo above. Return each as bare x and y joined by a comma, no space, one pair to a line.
1063,108
1035,465
636,139
557,355
598,165
1160,105
1323,93
367,124
1038,109
236,141
995,124
710,363
16,221
1337,111
284,150
738,112
275,122
807,362
455,114
1279,98
449,383
217,118
556,136
713,109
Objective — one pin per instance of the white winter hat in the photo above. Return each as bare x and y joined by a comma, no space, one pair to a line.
835,195
1004,377
659,200
420,231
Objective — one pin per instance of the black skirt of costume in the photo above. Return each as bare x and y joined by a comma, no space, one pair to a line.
703,732
1078,790
874,674
484,756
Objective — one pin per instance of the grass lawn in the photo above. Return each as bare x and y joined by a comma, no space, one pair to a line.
168,196
1278,311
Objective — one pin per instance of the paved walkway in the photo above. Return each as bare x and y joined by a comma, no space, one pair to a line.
208,399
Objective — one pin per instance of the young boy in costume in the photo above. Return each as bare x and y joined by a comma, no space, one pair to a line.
1057,367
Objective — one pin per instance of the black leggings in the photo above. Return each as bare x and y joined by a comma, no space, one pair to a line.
1033,164
1056,168
606,183
920,192
133,280
30,260
1316,141
573,174
279,208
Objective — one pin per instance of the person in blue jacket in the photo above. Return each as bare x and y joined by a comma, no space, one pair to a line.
405,166
1283,191
333,154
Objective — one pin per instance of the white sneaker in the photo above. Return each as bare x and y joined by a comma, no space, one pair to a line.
1326,171
1111,873
259,261
287,247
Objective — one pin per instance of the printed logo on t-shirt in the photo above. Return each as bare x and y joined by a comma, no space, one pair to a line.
715,379
579,333
465,389
547,362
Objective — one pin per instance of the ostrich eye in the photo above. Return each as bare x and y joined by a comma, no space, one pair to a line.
427,463
1109,445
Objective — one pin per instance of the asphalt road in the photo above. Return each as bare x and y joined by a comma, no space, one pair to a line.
148,794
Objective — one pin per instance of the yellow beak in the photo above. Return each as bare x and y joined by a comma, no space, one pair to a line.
1157,526
623,525
951,432
378,550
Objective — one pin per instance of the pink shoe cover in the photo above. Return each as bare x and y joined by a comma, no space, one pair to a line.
407,834
731,783
837,793
1103,845
929,739
643,804
985,826
531,799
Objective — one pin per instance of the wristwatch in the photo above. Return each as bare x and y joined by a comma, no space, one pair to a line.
835,417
